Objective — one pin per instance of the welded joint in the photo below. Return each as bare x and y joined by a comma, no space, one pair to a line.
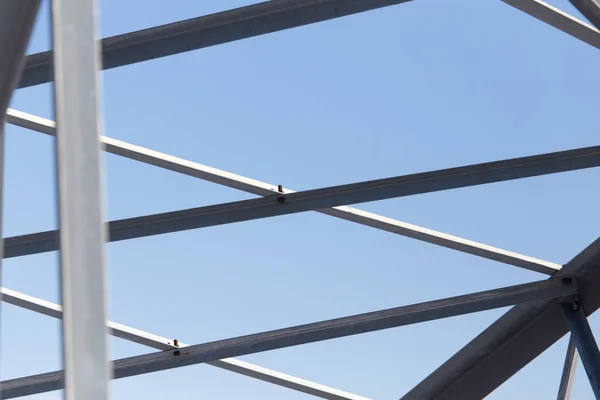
572,298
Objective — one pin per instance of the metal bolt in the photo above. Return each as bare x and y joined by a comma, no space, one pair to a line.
575,306
280,188
175,342
177,353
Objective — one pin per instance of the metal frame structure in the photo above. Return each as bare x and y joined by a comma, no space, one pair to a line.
543,311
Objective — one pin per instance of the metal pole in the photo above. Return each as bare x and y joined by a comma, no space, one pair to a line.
82,233
585,342
568,374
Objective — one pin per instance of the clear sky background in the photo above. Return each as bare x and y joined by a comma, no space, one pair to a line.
410,88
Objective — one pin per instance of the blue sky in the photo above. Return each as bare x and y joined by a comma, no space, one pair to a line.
410,88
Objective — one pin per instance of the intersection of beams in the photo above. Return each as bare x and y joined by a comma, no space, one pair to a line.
259,188
513,341
316,199
162,343
590,9
558,288
558,19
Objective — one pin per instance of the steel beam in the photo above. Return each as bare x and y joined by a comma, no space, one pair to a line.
80,198
558,19
511,342
253,186
209,30
162,343
17,18
258,19
590,9
585,342
284,204
568,375
310,333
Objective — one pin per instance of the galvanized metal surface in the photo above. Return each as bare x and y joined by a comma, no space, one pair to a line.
80,199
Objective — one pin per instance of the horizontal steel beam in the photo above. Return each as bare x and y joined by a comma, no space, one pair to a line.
162,343
317,199
558,19
253,186
258,19
310,333
513,341
209,30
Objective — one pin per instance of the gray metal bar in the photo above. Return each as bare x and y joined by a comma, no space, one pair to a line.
558,19
82,233
162,343
568,375
317,199
325,330
209,30
585,342
511,342
253,186
590,9
17,18
259,19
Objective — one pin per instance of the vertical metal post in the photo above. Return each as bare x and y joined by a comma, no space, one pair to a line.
82,231
585,342
568,374
17,18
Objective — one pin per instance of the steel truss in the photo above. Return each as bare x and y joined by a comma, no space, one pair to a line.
543,311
